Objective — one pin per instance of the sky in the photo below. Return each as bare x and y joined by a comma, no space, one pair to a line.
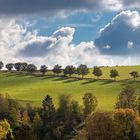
70,32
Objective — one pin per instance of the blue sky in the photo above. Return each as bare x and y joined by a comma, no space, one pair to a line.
87,25
91,32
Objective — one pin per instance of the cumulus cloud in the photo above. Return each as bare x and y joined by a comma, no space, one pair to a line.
19,44
118,44
121,34
61,7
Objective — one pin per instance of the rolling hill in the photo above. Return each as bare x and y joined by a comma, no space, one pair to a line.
32,89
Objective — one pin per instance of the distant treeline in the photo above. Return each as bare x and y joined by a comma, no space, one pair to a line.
70,121
81,70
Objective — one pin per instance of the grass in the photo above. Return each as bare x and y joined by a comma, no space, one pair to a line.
33,88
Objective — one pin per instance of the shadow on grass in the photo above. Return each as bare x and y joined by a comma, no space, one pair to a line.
16,74
130,82
47,77
8,74
71,80
107,82
60,78
89,82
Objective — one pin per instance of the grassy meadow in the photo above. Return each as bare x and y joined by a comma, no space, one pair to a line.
32,89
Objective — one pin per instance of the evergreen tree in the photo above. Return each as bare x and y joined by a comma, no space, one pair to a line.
31,112
37,125
24,132
48,116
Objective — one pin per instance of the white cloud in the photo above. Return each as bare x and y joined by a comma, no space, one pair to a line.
130,44
19,44
122,33
112,5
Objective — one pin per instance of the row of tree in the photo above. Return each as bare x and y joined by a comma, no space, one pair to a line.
19,67
70,120
68,70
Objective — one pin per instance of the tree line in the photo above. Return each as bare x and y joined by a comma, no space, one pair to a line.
70,120
69,70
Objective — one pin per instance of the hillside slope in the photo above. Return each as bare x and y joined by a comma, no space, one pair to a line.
33,88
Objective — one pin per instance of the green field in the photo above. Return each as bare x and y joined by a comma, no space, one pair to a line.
33,88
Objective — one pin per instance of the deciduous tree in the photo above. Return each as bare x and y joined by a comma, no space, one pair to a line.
1,65
97,72
43,69
126,98
9,66
82,70
134,74
69,70
57,69
114,73
31,68
90,103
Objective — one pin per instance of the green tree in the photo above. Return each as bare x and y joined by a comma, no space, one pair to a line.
126,98
90,103
97,72
114,73
9,66
69,116
57,69
4,107
74,119
69,70
37,125
31,68
14,117
136,102
82,70
17,66
1,65
134,74
48,116
24,66
43,69
31,112
5,130
64,107
24,132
